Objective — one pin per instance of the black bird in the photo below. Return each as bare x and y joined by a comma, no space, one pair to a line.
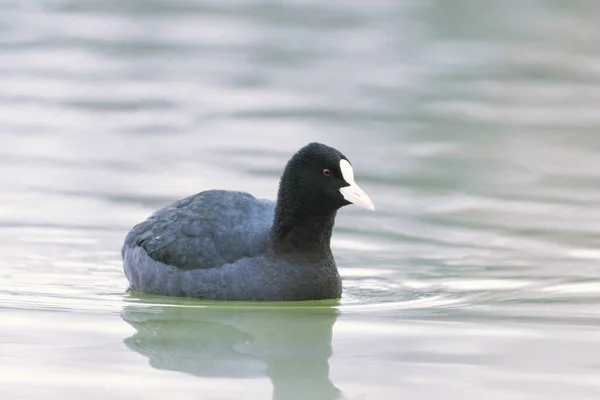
229,245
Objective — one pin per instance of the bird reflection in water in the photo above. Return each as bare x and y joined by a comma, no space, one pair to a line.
291,345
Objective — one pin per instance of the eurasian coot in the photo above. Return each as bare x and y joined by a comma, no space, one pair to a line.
228,245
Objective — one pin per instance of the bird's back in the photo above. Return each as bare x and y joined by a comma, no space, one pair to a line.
206,230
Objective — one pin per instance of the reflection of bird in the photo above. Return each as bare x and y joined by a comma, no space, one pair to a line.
226,245
290,345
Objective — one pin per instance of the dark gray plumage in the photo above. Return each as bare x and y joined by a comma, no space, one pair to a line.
227,245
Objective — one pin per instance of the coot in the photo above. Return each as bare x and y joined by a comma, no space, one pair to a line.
229,245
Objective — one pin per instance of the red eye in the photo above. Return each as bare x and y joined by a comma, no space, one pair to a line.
326,172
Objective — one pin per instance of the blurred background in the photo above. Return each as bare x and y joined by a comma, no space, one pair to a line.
474,127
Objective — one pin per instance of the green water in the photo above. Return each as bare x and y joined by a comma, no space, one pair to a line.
474,127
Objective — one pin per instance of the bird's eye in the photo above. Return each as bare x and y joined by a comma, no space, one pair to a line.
326,172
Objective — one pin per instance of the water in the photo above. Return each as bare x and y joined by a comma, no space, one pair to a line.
474,128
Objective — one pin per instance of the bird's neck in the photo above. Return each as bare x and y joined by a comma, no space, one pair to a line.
302,229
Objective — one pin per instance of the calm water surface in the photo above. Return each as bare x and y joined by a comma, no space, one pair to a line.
475,129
